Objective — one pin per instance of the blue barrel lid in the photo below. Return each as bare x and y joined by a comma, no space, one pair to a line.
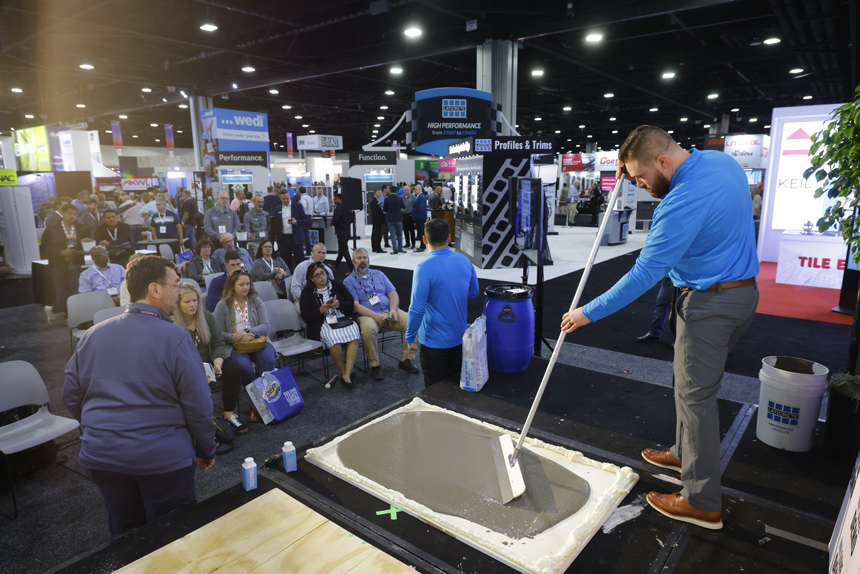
508,291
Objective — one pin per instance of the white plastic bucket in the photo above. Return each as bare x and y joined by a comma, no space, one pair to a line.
87,246
789,402
242,236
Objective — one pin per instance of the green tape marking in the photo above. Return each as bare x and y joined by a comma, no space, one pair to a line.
392,511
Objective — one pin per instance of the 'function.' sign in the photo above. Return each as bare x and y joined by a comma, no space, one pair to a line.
372,158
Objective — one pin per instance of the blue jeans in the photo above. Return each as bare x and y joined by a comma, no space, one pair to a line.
191,232
395,230
265,361
661,307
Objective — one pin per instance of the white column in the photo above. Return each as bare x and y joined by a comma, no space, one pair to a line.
497,74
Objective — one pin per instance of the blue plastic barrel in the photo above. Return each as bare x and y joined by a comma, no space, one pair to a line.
510,327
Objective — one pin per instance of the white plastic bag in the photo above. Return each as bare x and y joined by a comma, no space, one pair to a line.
474,373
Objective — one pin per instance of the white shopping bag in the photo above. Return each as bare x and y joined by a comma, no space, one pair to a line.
474,373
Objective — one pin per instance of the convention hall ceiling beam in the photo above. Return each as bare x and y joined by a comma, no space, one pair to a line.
634,12
60,23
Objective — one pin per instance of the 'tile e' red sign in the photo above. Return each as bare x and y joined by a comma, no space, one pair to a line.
571,162
824,264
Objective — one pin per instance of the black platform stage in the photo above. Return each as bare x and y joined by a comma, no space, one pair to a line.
608,419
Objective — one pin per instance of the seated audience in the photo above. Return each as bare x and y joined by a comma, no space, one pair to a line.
270,268
324,303
228,243
232,263
102,275
203,263
201,325
376,303
300,274
241,316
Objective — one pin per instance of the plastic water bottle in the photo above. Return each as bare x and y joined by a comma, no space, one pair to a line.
289,457
249,474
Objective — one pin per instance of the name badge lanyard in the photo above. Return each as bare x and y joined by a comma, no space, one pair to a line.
147,312
207,267
112,235
373,285
242,314
271,265
71,236
110,272
332,312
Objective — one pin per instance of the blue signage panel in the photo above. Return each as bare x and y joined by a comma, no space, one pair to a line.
234,130
379,177
442,116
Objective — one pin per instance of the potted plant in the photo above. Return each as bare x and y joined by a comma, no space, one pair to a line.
835,160
87,244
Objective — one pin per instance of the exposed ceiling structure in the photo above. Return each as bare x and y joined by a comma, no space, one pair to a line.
327,65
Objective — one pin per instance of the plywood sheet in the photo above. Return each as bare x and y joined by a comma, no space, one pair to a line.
272,533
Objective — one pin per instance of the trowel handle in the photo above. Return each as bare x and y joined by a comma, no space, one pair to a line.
616,195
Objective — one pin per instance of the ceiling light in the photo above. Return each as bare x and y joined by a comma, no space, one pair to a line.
735,109
706,126
208,27
577,145
108,132
286,107
123,117
396,70
17,90
567,108
235,86
807,97
668,75
652,109
588,136
568,139
29,116
611,119
683,119
146,90
770,41
767,127
412,32
389,92
795,70
157,140
713,96
377,125
306,125
164,100
298,117
86,66
134,136
80,106
558,131
383,107
581,126
312,131
380,117
183,106
538,119
153,125
594,37
615,131
753,119
537,72
273,91
608,95
249,69
179,131
184,95
670,132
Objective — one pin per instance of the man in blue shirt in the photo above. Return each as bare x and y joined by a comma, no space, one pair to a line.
81,203
102,276
442,284
232,262
377,302
147,414
165,224
229,244
703,237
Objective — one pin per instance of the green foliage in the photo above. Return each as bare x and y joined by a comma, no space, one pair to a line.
835,159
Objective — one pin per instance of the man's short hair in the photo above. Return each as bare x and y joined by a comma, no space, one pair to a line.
224,193
339,197
231,255
644,144
384,187
185,191
82,194
68,207
90,201
224,236
284,191
106,211
143,272
437,232
358,250
302,189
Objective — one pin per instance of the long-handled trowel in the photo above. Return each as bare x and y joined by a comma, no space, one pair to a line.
504,452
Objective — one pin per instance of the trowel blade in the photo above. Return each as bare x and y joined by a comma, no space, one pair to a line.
510,476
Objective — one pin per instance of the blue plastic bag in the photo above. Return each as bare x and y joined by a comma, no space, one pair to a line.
276,395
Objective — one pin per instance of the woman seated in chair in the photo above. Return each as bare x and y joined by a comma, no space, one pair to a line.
270,268
327,308
241,317
202,264
201,325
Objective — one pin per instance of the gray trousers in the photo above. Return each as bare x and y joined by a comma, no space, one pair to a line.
709,324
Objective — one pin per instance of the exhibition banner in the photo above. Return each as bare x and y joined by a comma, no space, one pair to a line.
116,132
8,177
372,158
747,149
606,161
516,145
232,131
95,146
449,165
441,116
241,158
320,142
32,150
289,145
168,137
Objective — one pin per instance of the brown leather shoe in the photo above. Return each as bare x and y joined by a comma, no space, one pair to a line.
662,458
674,506
407,366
